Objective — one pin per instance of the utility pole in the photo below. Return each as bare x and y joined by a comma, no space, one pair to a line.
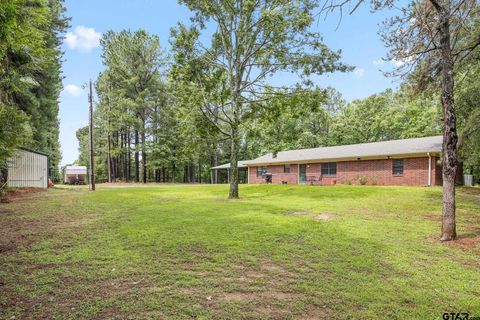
90,125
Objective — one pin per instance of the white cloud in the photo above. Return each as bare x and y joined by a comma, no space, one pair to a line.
397,63
402,62
378,62
73,90
83,39
359,72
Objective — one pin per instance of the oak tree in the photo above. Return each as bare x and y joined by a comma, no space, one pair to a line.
252,41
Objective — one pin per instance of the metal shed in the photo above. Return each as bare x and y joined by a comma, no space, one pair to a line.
28,168
75,175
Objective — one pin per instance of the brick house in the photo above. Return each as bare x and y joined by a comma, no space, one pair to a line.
410,162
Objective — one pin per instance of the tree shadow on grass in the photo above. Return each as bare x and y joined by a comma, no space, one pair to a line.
310,192
248,261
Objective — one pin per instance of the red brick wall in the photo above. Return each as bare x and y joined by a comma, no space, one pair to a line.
277,174
415,172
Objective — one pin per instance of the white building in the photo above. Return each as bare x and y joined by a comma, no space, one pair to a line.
28,168
75,175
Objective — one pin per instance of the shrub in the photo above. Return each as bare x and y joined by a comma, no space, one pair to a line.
362,180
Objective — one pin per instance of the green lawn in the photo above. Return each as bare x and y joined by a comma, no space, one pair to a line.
178,252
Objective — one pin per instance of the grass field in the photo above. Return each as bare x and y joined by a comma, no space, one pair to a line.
281,252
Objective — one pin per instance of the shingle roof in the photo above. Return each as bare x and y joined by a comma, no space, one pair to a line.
241,164
362,150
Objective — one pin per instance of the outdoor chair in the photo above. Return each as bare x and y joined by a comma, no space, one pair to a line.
314,180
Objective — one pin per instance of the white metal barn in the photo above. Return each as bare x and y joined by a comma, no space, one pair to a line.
28,168
75,175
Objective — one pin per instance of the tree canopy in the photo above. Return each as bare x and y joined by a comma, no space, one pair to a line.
30,82
252,41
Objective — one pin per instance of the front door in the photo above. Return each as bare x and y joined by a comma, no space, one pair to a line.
302,173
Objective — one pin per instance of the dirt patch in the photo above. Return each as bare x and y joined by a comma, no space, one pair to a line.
299,213
470,244
272,312
320,216
238,296
326,216
226,200
470,190
55,302
432,217
268,266
466,242
20,194
18,233
317,313
265,269
5,247
264,289
23,224
272,267
271,295
160,199
269,282
189,291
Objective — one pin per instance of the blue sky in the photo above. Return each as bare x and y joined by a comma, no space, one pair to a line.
356,36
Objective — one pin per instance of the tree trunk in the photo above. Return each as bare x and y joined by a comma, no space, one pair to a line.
235,135
116,158
173,164
191,171
450,138
199,180
137,157
213,163
234,145
115,169
215,159
109,158
123,157
3,177
144,158
129,155
174,172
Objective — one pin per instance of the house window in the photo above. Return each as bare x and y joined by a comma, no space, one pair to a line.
261,171
397,168
329,169
286,168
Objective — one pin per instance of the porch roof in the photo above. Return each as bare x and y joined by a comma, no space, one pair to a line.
241,164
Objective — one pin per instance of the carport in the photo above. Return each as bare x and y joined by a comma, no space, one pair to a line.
223,173
75,175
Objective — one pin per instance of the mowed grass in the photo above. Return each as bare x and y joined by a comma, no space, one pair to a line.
183,251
